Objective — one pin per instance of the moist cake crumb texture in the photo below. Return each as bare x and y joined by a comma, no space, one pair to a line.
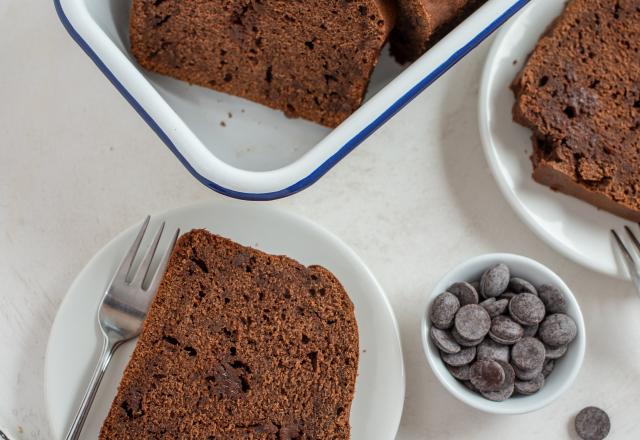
311,59
422,23
239,344
580,94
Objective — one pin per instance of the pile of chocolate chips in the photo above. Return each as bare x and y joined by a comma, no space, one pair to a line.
501,335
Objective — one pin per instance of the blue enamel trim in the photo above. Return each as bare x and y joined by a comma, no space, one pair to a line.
331,161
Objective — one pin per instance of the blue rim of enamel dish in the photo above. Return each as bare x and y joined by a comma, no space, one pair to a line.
332,160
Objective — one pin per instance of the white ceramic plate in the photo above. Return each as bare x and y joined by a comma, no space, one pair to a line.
574,228
73,343
259,154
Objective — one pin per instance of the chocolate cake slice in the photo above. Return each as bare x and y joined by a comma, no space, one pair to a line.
311,59
579,93
422,23
239,344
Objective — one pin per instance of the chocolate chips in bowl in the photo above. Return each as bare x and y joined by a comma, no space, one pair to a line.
498,327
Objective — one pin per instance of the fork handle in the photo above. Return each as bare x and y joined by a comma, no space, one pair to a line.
108,348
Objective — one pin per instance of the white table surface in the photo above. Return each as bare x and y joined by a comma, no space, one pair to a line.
77,165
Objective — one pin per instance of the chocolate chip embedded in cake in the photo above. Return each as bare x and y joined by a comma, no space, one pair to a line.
579,93
239,344
422,23
311,59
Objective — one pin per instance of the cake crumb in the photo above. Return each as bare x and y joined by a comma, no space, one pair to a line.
223,124
230,115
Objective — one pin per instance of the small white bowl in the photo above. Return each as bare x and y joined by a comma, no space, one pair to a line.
566,369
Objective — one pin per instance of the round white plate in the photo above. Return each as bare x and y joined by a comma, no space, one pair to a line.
574,228
73,343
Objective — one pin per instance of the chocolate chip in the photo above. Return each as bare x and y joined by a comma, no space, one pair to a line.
463,357
592,424
547,368
444,341
553,299
526,375
443,310
465,293
487,375
505,331
472,322
465,342
527,309
494,281
529,387
555,352
522,340
507,388
494,307
491,350
518,285
461,373
507,295
558,329
528,354
530,330
469,385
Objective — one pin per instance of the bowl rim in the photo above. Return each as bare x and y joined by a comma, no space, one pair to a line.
473,399
236,178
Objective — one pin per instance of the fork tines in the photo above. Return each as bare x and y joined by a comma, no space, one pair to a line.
631,257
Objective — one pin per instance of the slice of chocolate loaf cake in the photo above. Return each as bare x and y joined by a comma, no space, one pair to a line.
311,59
422,23
239,344
580,94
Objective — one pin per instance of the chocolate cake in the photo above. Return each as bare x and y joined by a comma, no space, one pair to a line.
239,344
311,59
580,94
422,23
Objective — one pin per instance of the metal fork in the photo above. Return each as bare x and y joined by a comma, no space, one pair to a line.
123,308
632,266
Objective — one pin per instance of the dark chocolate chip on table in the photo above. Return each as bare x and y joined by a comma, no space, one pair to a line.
443,310
472,322
494,307
465,293
491,350
528,354
507,388
529,387
526,309
463,357
592,423
519,285
553,299
505,331
557,330
444,341
487,375
494,281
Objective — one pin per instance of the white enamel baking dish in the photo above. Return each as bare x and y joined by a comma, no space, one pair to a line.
242,149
